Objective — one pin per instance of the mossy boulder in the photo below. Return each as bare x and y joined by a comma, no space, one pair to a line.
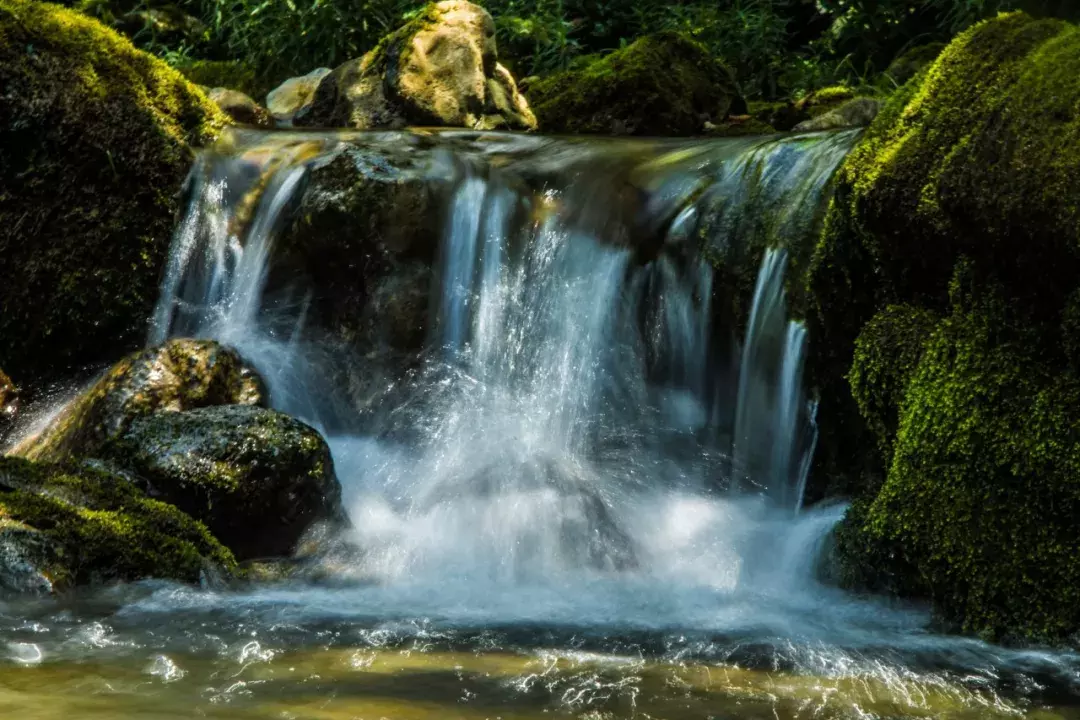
858,112
97,140
257,478
663,84
179,375
979,510
959,203
441,68
66,525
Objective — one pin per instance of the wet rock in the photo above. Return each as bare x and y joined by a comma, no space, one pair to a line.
65,525
241,108
859,112
179,375
439,69
257,478
664,84
292,100
97,140
9,403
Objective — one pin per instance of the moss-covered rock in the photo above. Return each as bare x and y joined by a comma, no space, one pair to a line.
256,477
886,354
663,84
179,375
440,68
223,73
979,509
65,525
959,203
97,141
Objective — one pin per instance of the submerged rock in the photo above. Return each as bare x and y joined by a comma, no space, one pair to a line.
439,69
859,112
257,478
292,100
241,108
179,375
664,84
97,141
964,446
65,525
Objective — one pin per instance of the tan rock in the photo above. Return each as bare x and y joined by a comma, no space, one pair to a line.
440,69
293,98
241,108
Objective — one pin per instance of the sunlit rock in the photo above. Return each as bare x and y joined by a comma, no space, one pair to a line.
179,375
439,69
292,100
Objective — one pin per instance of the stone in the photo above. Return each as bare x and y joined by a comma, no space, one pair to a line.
664,85
291,101
859,112
176,376
67,525
440,69
241,108
257,478
98,138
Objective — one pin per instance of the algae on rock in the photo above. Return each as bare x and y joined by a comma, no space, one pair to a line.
97,141
66,525
959,203
258,479
663,84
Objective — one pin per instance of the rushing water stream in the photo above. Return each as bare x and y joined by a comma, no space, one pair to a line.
584,498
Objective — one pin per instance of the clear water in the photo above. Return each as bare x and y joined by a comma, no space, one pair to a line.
584,502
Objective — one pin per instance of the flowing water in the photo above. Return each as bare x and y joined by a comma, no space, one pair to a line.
581,495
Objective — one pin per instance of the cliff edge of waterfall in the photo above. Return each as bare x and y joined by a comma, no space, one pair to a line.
946,318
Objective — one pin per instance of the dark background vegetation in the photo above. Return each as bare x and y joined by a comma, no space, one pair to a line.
778,48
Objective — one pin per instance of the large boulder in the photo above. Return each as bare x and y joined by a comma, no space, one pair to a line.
664,84
97,140
65,525
959,435
177,376
439,69
257,478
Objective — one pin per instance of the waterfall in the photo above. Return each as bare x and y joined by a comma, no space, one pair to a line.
581,379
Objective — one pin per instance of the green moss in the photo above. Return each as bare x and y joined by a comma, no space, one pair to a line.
256,477
102,528
824,100
664,84
886,354
981,500
97,142
231,74
960,203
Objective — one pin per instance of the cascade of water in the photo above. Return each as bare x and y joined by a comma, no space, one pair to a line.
771,412
544,446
